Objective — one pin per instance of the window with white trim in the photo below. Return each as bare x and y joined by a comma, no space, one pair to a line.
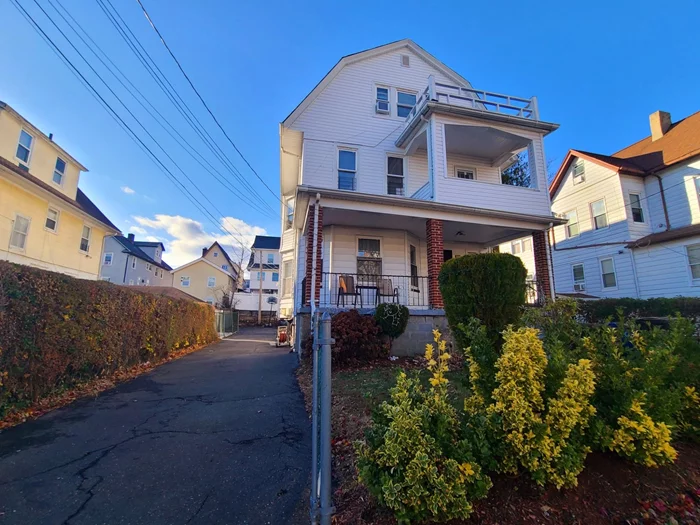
149,267
347,169
211,282
20,231
275,277
369,257
382,104
133,263
224,267
257,276
51,222
571,227
157,252
24,148
516,247
465,173
579,277
184,281
395,175
108,258
607,272
693,252
413,260
290,213
270,258
599,214
59,171
287,283
579,172
85,239
636,207
404,103
216,254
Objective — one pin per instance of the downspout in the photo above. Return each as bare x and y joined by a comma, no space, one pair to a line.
663,201
126,266
550,261
634,273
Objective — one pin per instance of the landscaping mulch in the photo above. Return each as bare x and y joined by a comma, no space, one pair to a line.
610,489
90,388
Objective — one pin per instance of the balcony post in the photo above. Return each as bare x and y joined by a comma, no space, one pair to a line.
543,266
535,109
431,87
312,233
434,236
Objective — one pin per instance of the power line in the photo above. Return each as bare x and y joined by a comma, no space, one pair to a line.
116,116
150,21
162,121
171,93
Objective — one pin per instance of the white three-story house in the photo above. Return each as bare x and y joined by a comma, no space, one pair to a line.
395,163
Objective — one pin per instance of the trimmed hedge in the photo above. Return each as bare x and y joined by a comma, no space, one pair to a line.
58,331
392,319
488,286
599,310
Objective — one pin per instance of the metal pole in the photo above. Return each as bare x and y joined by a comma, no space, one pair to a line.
327,509
314,424
260,278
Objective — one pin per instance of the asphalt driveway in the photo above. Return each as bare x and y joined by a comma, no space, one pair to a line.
219,436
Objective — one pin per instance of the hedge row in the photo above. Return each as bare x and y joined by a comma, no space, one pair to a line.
57,331
601,309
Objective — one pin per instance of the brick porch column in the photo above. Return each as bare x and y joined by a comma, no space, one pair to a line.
433,230
543,268
310,254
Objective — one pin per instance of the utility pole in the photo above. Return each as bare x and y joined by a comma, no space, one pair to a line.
260,278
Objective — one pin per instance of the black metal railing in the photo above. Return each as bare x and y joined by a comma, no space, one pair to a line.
534,294
352,290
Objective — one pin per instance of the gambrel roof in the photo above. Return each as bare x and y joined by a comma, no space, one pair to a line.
368,53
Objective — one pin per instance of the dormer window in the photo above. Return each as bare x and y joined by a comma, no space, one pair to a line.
24,148
579,172
59,171
382,105
157,252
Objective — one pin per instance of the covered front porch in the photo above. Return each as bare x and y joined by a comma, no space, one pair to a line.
393,255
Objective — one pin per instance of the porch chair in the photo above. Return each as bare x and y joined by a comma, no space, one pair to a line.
385,289
346,286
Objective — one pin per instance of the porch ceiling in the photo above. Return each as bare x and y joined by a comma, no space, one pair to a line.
491,144
465,232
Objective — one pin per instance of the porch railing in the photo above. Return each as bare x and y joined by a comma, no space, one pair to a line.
368,291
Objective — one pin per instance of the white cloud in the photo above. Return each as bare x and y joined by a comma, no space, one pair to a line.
185,237
127,190
138,230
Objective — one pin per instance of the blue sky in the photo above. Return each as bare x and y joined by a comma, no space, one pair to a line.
598,68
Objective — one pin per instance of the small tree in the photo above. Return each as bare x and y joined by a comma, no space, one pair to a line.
518,173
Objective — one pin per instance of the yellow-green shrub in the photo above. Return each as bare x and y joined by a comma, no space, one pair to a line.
413,459
544,438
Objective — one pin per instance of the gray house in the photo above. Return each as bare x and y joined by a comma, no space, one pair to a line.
134,263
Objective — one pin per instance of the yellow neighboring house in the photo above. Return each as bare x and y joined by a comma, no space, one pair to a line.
46,221
210,277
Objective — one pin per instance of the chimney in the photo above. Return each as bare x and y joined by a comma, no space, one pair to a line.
130,237
660,123
204,252
51,137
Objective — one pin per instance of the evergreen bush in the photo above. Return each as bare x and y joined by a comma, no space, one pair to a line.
392,319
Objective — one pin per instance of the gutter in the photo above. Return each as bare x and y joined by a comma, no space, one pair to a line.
663,201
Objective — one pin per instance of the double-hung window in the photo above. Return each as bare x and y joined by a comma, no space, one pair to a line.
347,169
185,281
579,172
24,148
275,277
85,239
572,229
290,214
413,254
109,257
694,261
636,207
51,223
394,181
607,272
257,276
211,282
149,267
369,257
600,215
20,230
382,104
288,278
404,103
270,258
465,173
579,278
59,171
516,247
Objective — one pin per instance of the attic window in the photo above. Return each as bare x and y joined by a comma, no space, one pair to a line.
405,61
579,172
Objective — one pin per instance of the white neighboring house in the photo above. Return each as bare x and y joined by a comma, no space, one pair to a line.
633,217
523,250
265,252
394,163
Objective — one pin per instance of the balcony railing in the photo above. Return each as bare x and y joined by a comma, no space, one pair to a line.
486,101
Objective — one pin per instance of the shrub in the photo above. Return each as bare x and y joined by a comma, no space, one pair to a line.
413,460
599,310
58,331
544,436
357,337
488,286
392,319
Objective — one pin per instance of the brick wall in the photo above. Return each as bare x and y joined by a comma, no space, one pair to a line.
541,249
310,252
433,230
